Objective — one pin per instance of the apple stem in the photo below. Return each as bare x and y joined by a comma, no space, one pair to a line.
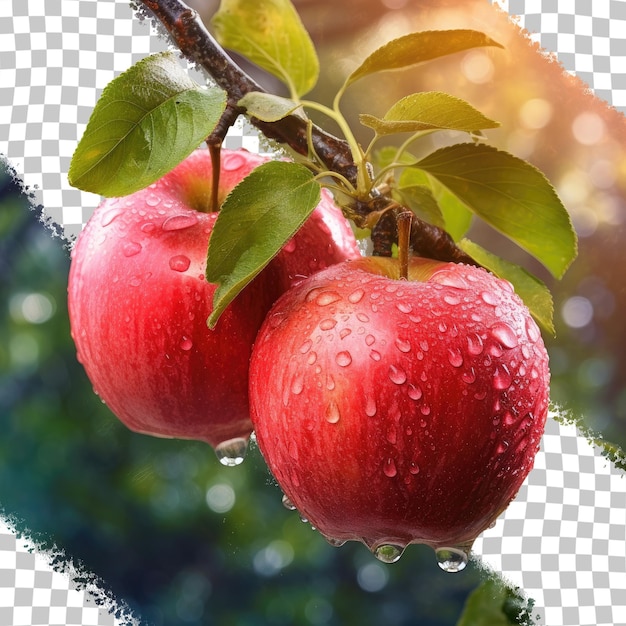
404,220
215,149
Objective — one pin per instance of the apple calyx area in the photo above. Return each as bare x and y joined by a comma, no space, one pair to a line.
139,302
395,411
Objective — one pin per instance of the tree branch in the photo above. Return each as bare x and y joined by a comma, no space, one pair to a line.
196,43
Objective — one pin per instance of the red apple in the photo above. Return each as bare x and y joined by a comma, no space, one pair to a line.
400,411
139,303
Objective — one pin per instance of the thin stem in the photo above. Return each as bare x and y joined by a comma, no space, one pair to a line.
404,220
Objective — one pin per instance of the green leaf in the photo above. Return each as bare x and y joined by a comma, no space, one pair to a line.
419,47
529,288
493,603
512,196
257,218
147,120
456,216
420,199
427,111
270,34
267,107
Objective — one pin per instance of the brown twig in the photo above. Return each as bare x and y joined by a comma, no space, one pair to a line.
196,43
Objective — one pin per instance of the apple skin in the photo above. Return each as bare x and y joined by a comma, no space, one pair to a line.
138,303
396,412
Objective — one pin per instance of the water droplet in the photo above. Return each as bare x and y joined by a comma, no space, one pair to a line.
389,468
186,344
469,376
330,382
290,246
509,418
288,504
343,358
328,297
297,385
532,330
403,345
501,377
356,296
362,317
425,409
312,358
148,227
388,552
504,334
306,346
131,249
452,300
374,355
449,278
414,391
153,200
404,307
180,263
452,559
232,451
443,327
397,375
424,345
344,333
370,406
392,435
370,339
414,468
332,413
455,357
489,298
335,543
474,344
328,324
179,222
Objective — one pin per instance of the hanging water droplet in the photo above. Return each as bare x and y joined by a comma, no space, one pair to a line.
397,375
179,263
388,552
335,543
232,451
288,504
131,248
332,413
343,358
451,559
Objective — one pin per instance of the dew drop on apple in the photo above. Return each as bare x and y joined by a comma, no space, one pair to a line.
503,333
397,375
186,344
328,324
404,307
297,385
232,452
403,345
370,406
414,392
474,344
332,413
343,358
179,222
131,248
327,298
502,377
389,468
356,296
452,559
455,357
153,200
231,161
179,263
469,376
109,216
388,552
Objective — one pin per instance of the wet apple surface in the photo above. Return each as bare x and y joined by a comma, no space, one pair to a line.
400,411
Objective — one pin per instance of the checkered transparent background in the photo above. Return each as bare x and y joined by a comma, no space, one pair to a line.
563,540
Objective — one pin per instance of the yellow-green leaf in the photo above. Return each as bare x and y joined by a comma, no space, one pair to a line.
427,111
147,120
257,218
529,288
267,107
270,34
512,196
419,47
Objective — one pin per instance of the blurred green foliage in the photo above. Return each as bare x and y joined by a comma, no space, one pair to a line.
172,533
